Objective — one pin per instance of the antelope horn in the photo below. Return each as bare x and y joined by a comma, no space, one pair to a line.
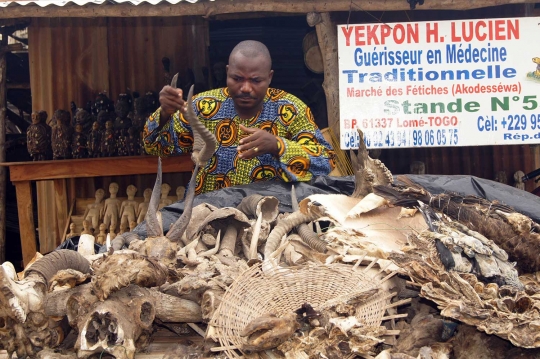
204,141
153,226
179,227
306,233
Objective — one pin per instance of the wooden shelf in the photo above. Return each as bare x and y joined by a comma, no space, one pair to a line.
22,173
95,167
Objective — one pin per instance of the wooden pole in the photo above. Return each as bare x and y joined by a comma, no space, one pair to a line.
327,37
3,107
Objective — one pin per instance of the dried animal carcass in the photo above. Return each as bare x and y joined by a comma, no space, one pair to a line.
513,232
460,271
26,327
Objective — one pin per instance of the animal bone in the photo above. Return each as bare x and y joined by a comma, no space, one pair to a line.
256,204
306,233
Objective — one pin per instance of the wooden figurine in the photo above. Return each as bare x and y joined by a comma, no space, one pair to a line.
112,232
86,227
86,240
43,114
108,141
102,236
165,201
94,211
72,232
128,209
518,182
139,113
123,228
143,207
94,141
501,177
112,207
38,141
61,135
132,225
180,192
102,118
133,142
85,119
79,144
121,108
418,168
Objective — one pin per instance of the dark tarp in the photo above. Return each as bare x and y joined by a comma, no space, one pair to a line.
522,201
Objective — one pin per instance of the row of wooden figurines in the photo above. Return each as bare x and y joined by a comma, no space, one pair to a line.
102,129
62,141
112,214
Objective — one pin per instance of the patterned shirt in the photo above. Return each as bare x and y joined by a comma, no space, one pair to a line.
303,151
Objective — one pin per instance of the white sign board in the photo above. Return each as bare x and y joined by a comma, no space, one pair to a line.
444,83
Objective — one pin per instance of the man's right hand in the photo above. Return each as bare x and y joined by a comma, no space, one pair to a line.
171,101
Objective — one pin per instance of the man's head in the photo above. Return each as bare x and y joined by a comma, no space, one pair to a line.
249,74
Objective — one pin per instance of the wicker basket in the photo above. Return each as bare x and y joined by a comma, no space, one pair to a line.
278,291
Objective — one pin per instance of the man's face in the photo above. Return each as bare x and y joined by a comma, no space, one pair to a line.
247,80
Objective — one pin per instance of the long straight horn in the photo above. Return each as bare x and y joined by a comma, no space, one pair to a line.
204,141
153,226
179,227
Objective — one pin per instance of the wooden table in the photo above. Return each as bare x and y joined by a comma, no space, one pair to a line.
22,173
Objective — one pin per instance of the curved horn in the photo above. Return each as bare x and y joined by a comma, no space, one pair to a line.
153,226
204,141
179,227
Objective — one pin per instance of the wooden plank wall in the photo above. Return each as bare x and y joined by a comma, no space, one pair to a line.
74,59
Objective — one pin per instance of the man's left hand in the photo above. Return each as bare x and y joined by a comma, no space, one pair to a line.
258,142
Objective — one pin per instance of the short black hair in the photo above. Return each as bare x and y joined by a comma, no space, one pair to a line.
252,48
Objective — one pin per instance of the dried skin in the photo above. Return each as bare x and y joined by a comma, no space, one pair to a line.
268,332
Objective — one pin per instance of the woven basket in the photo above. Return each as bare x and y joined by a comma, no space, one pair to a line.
278,291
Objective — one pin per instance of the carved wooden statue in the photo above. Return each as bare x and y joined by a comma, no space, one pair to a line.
165,201
121,108
133,142
501,177
112,232
94,141
139,113
79,144
112,207
132,225
61,135
518,182
38,140
86,227
128,209
143,207
85,119
108,141
44,115
418,168
102,236
94,211
72,232
180,192
86,240
102,118
123,228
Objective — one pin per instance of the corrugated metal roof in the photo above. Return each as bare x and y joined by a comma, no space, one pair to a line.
43,3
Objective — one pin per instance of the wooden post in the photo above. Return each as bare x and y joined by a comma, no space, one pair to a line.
327,37
3,107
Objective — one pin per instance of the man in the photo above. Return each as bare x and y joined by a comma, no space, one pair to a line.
262,133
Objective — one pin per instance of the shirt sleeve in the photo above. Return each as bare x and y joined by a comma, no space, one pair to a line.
175,137
305,153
